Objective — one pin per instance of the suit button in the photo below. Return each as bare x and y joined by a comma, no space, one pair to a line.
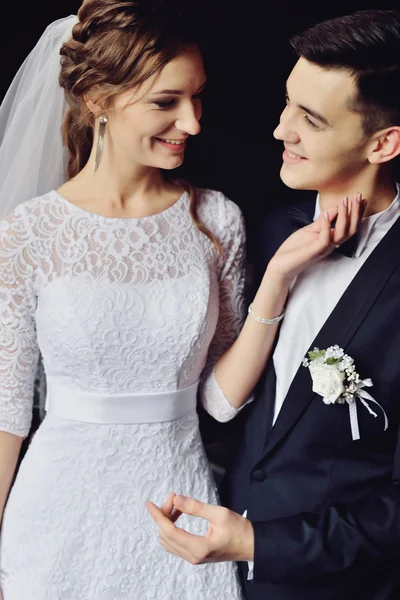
259,475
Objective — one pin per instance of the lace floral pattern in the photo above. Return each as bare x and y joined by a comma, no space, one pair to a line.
115,306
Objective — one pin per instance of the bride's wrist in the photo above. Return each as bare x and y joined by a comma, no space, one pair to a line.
270,298
277,280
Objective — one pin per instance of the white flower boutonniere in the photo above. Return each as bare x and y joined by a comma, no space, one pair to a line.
335,378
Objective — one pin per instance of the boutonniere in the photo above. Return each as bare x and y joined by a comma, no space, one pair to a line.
335,378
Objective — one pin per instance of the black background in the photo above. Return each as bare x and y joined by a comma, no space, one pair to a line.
235,152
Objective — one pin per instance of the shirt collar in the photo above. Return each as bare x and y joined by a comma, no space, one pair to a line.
383,219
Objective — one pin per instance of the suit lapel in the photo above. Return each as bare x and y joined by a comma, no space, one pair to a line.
341,326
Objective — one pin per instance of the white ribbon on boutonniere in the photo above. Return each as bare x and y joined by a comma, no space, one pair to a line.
335,378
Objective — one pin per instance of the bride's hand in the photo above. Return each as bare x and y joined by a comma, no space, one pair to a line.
313,242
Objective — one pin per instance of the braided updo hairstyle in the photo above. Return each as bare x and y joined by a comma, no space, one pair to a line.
118,44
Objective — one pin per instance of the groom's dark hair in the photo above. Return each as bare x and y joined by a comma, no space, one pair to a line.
367,45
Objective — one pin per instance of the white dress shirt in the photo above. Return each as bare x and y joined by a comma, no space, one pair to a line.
314,295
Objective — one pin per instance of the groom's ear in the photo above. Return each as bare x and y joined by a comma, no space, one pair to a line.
385,145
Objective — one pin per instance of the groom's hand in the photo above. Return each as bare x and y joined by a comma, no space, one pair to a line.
229,536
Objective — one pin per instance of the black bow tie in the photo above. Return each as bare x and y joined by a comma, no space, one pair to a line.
301,219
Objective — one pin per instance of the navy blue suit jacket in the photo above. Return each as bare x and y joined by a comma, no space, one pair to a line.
325,508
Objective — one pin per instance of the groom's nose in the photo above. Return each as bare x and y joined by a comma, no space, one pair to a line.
285,131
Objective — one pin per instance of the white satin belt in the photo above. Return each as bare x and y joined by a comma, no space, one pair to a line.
128,408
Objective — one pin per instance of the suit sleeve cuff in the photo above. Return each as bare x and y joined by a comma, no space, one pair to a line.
267,552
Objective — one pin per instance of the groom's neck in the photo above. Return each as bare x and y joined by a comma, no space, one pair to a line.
379,193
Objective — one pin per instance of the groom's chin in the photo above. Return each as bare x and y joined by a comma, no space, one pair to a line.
294,180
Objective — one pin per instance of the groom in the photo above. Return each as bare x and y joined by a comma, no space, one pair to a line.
320,483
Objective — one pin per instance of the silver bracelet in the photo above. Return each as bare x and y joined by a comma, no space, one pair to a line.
265,321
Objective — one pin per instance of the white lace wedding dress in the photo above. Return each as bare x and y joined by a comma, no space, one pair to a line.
121,309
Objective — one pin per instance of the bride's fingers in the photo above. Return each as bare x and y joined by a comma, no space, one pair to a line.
315,226
357,213
323,240
320,244
342,225
348,224
333,213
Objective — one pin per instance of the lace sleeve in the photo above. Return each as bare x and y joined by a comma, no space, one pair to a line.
231,315
18,343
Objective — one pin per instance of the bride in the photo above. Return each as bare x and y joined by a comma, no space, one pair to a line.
131,286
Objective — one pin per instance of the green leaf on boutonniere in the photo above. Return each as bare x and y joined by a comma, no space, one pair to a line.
314,354
332,361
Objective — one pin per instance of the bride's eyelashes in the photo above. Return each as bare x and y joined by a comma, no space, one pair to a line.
165,104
